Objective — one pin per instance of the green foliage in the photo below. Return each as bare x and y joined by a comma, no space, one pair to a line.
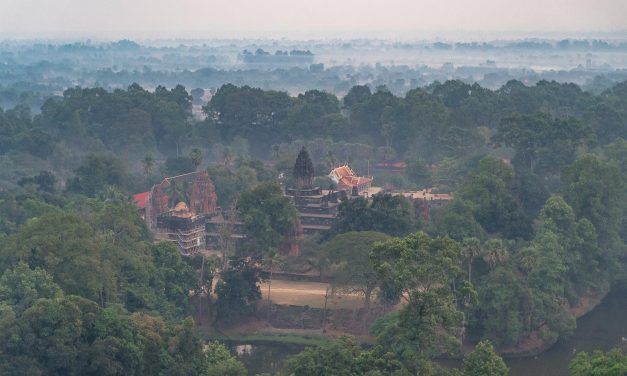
457,221
172,277
175,166
542,143
238,290
196,157
595,190
45,181
122,119
19,134
484,361
16,209
524,286
421,271
21,286
530,191
65,246
487,190
109,243
347,257
504,302
71,335
344,357
228,184
221,362
611,363
97,173
529,292
392,215
249,113
268,215
44,329
586,264
418,171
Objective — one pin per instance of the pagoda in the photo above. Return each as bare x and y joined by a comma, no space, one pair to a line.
317,207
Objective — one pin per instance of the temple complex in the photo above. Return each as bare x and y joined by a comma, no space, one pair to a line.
177,209
347,180
317,208
182,209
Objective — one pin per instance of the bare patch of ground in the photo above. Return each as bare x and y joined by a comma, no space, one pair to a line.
309,294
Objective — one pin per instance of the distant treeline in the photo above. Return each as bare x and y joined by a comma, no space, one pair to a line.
443,120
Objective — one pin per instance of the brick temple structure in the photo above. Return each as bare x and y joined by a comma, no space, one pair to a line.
182,209
177,209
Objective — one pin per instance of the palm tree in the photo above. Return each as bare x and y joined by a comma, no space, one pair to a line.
472,248
527,260
196,156
178,192
387,130
494,253
148,163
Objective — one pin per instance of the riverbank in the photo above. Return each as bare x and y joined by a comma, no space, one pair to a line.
600,326
534,344
261,331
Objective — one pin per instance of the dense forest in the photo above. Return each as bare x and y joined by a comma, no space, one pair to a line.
536,228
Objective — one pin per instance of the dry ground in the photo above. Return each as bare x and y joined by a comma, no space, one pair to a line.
309,293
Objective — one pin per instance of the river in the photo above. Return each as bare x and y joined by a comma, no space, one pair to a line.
603,328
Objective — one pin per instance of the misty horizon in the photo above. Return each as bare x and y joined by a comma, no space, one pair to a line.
397,19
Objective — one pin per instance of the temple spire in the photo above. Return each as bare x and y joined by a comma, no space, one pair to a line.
303,170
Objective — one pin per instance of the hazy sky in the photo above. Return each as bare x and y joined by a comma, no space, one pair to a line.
291,18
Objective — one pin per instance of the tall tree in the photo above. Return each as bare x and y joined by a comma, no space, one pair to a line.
484,361
268,215
385,213
196,156
421,271
96,173
238,289
613,362
348,262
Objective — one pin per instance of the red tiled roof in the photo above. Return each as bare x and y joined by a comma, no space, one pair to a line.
351,181
344,176
342,171
141,199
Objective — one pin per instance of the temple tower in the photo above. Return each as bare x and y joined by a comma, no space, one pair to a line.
303,170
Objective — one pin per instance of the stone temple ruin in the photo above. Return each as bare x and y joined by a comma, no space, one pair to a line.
317,207
177,209
182,209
